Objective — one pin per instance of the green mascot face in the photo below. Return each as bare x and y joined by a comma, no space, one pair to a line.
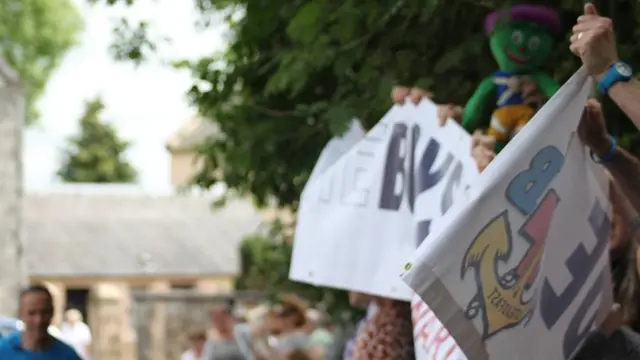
520,47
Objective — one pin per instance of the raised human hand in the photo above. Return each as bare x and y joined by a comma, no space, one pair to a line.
592,129
400,94
449,111
594,41
482,149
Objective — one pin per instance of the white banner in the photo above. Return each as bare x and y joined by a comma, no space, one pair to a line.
431,340
355,225
520,270
335,148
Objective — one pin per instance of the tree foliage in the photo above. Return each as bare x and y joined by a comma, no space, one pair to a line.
34,37
96,155
295,72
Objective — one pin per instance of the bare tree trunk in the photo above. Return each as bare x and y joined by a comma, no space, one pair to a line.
12,117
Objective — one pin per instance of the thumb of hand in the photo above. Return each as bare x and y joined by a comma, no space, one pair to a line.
590,9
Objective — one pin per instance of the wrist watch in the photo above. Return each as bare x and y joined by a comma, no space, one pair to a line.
618,72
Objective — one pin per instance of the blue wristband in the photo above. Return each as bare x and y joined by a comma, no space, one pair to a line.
608,156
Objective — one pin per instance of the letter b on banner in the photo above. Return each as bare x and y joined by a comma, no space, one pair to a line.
401,178
394,169
529,186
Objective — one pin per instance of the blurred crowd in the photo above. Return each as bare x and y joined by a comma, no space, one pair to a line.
289,330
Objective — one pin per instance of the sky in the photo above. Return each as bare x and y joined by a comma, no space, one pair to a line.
145,104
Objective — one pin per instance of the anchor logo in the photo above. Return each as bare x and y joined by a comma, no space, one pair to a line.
506,299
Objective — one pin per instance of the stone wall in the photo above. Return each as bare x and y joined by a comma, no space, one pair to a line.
110,316
12,266
184,166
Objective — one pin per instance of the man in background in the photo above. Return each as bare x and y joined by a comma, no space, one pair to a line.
35,342
222,344
76,333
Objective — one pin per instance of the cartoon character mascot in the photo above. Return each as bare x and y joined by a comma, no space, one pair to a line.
521,40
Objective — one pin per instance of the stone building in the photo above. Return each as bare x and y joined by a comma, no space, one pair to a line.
185,162
94,245
182,144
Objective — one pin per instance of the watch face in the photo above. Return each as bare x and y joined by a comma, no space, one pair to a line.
623,69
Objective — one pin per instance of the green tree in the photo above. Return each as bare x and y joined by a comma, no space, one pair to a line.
295,72
96,155
34,37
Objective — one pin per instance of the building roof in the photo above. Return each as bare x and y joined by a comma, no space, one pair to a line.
192,134
79,234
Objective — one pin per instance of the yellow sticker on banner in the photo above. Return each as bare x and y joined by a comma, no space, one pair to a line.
408,266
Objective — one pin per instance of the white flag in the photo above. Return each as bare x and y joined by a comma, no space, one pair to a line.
521,270
408,161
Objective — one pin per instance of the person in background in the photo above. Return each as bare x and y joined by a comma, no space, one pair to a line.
387,334
251,334
196,339
625,224
76,333
223,346
243,333
264,334
293,324
617,337
35,342
284,331
364,302
320,338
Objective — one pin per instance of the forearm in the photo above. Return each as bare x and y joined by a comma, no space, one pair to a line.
625,170
626,95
